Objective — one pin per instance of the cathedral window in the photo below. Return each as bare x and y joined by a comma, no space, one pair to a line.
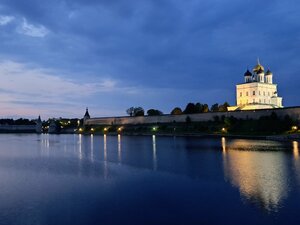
264,93
241,94
253,92
247,93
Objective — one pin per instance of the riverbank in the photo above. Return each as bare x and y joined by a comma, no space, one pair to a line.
277,137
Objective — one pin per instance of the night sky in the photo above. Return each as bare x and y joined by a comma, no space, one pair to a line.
58,57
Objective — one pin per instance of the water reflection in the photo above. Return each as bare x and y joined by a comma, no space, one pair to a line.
296,160
119,149
295,150
45,144
224,145
80,146
105,156
261,176
154,152
92,148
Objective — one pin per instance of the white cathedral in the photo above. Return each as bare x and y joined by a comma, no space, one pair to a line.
258,91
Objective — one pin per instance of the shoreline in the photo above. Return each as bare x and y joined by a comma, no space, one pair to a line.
275,137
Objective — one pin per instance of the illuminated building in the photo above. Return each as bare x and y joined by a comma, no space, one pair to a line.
258,91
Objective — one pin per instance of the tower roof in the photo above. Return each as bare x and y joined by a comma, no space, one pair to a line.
247,73
87,113
258,67
269,72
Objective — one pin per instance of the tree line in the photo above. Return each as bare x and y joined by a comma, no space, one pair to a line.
20,121
191,108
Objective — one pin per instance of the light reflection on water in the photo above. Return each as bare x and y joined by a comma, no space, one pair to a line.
92,148
154,152
122,174
119,149
296,160
260,175
80,146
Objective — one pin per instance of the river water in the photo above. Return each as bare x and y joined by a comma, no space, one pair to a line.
77,179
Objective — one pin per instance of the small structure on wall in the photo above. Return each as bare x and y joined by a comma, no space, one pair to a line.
257,92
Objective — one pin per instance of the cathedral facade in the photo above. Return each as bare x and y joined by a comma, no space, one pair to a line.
257,91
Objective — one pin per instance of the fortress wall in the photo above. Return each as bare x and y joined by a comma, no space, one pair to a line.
293,112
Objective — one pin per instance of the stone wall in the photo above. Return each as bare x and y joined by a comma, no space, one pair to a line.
293,112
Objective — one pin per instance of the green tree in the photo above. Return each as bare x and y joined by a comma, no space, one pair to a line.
215,107
135,111
130,111
205,108
198,108
224,107
139,111
190,108
154,112
176,111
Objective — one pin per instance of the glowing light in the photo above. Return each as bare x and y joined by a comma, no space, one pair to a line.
256,174
120,129
294,128
295,149
154,152
105,129
154,128
92,130
80,129
224,129
224,145
119,148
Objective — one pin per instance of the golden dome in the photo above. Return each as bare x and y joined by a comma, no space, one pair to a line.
258,67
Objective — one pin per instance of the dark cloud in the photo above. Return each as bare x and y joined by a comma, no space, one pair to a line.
196,45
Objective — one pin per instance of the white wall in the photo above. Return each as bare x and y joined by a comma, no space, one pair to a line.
294,112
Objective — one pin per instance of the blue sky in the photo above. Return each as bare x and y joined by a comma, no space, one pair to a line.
58,57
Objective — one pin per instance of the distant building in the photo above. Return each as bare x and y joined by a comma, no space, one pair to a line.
86,115
39,125
257,92
52,127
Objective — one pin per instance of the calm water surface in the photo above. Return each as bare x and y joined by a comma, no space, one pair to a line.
76,179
